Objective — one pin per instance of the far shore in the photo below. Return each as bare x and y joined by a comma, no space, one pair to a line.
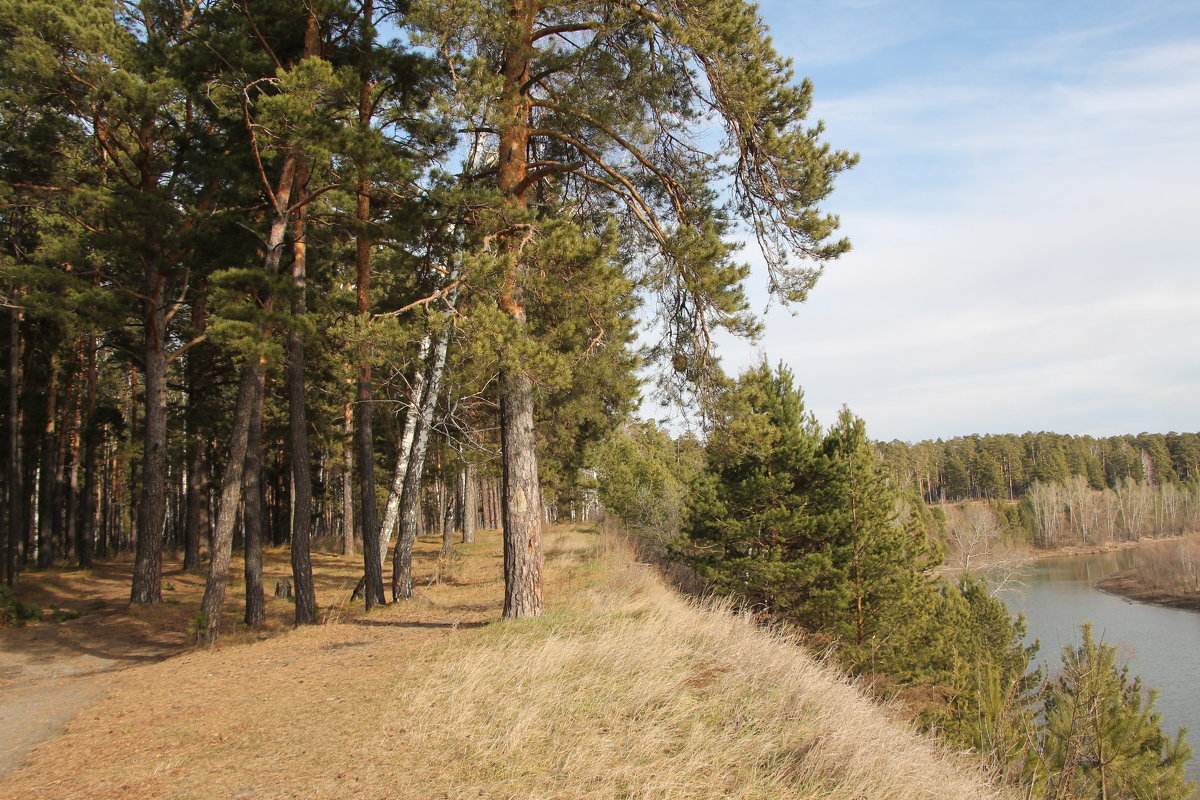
1094,549
1126,584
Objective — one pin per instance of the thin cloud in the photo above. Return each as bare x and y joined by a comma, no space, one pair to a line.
1024,256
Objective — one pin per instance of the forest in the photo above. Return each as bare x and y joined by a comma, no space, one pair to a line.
1006,467
283,272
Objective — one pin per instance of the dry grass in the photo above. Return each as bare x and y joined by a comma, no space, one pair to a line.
621,690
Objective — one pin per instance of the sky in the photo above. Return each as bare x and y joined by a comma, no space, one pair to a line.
1025,217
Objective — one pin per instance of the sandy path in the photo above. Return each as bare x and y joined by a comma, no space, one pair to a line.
50,672
86,712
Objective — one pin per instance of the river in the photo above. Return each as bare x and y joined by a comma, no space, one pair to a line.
1160,644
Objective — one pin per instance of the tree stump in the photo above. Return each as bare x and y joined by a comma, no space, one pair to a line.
283,589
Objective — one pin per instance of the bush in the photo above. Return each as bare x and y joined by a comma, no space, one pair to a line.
13,612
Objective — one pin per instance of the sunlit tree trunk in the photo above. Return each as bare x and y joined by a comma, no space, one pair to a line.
391,513
470,504
348,484
410,500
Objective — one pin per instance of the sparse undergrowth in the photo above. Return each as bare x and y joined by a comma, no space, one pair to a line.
13,612
622,689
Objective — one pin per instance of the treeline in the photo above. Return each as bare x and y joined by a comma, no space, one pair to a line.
283,272
995,467
804,525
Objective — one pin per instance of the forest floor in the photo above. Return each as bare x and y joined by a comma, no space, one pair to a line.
622,689
51,670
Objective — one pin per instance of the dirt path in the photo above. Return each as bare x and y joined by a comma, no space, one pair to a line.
82,701
50,672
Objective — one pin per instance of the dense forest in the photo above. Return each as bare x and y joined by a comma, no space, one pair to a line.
1005,467
1049,490
277,271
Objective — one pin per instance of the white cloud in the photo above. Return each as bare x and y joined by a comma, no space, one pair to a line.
1025,253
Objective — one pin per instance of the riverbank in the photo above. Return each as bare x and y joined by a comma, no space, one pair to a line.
1127,584
1131,583
1094,549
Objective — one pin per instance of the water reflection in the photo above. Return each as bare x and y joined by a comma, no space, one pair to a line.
1161,645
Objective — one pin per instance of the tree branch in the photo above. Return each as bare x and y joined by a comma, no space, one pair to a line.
546,171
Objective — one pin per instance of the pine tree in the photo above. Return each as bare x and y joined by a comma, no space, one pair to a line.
527,74
881,562
1102,738
749,531
805,528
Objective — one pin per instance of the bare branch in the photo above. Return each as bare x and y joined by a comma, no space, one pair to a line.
546,171
634,200
445,291
669,183
575,27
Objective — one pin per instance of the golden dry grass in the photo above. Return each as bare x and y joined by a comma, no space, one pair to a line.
622,689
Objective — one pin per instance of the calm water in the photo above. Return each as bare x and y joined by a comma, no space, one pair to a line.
1161,645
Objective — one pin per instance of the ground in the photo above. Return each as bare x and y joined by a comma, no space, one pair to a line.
623,689
50,671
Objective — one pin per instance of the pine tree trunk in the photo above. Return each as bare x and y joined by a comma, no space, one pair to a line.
107,494
152,510
302,579
249,398
249,393
521,502
86,532
521,497
445,509
15,483
73,450
348,485
493,505
252,516
363,428
199,523
453,503
198,478
364,439
47,505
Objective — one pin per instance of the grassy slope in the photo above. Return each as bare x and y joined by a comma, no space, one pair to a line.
621,690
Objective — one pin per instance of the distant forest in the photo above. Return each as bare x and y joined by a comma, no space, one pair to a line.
1006,466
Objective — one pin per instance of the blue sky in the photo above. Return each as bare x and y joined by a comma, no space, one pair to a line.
1025,217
